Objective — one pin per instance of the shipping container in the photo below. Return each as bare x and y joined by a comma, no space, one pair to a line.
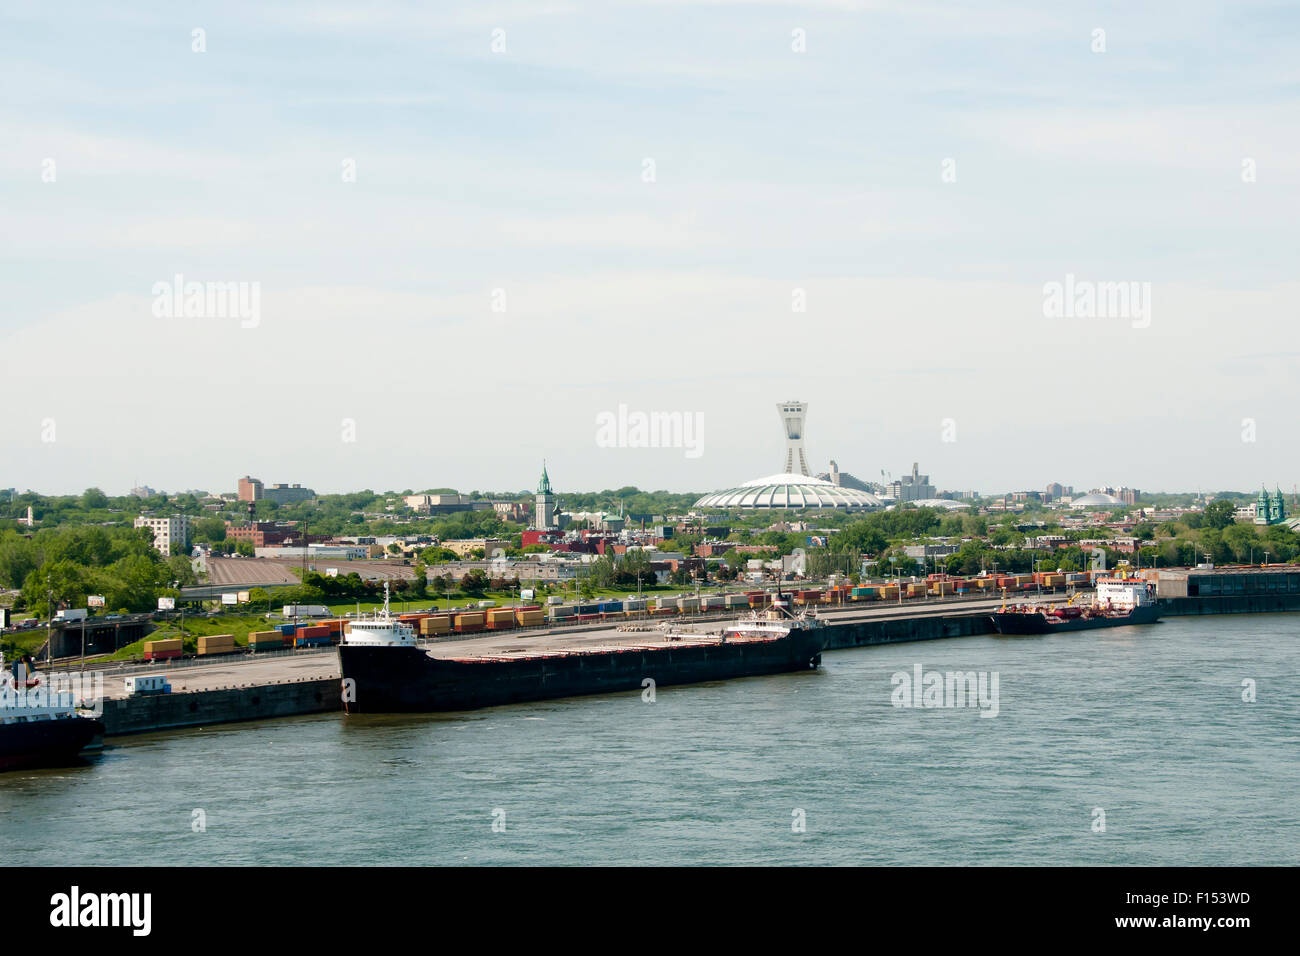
216,643
469,621
530,618
435,624
500,619
162,649
736,600
315,640
560,611
634,605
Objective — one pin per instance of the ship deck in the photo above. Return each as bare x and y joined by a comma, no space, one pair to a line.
246,671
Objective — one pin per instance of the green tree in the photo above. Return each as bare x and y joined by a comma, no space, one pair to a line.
93,499
474,582
210,530
1218,514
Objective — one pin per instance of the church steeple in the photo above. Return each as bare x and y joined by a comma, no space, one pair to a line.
544,512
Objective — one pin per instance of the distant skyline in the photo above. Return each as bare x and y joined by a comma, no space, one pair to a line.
693,207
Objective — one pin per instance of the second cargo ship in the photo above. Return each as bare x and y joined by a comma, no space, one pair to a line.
385,670
1117,602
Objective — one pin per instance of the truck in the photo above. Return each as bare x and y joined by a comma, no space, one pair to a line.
71,614
291,611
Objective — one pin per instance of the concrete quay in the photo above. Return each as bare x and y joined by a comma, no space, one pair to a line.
243,687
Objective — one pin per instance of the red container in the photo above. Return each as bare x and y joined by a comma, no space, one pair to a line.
161,655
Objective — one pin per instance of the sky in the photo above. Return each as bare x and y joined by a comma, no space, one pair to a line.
471,230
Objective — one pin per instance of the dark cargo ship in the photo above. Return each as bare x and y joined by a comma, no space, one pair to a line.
38,732
1118,602
386,671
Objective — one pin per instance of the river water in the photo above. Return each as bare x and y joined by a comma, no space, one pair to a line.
1120,746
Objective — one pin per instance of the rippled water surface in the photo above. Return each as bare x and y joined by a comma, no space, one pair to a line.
1147,724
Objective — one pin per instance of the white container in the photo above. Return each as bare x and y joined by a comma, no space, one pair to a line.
148,684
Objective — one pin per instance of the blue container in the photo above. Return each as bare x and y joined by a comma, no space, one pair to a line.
286,629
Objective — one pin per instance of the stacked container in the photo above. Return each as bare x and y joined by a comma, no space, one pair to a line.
530,616
435,624
265,640
216,644
467,622
500,619
162,650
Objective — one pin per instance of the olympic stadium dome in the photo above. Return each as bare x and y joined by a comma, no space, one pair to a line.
791,491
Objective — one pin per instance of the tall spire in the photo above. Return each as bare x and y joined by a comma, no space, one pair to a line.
544,486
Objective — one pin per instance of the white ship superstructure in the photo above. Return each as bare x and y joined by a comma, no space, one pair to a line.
380,630
1123,594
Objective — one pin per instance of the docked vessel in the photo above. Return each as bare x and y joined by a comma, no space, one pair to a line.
40,726
385,670
1118,601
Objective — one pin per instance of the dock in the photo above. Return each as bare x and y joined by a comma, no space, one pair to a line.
243,687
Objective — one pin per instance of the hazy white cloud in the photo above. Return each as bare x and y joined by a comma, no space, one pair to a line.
516,178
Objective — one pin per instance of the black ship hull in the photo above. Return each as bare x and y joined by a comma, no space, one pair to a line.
46,743
1007,623
407,679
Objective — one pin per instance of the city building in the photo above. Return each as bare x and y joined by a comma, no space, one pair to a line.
911,487
287,494
462,548
249,489
170,535
511,510
252,489
444,504
265,534
844,479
